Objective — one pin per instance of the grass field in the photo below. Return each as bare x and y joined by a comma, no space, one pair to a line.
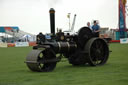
13,70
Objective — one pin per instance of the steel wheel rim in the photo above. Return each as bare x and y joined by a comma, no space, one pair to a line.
37,62
98,51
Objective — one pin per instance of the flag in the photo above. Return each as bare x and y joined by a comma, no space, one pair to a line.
68,15
122,21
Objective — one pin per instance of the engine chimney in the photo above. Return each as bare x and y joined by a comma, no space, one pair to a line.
52,20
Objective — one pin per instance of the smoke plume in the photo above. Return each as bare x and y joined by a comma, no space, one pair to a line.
52,3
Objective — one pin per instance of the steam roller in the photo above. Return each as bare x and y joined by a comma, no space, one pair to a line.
82,48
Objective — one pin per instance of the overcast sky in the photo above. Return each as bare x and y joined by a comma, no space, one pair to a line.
33,15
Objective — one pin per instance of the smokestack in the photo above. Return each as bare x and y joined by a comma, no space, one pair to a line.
52,20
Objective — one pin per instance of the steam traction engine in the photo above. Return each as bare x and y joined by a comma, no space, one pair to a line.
80,49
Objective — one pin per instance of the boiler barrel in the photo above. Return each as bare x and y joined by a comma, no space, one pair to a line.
63,47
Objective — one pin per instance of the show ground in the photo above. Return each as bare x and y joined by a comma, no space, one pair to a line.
13,70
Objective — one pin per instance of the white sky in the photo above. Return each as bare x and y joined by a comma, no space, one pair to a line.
33,15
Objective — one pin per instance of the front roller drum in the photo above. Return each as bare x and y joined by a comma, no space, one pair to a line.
97,51
37,60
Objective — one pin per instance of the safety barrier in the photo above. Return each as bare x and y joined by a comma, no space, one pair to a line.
124,40
21,44
11,45
32,43
18,44
3,45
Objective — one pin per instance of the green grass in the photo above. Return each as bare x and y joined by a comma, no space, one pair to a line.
13,70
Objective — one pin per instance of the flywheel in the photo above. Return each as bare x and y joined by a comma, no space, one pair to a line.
84,34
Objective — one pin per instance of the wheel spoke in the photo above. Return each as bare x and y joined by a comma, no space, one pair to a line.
97,45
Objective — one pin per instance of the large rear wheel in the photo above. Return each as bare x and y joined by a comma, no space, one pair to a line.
97,51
